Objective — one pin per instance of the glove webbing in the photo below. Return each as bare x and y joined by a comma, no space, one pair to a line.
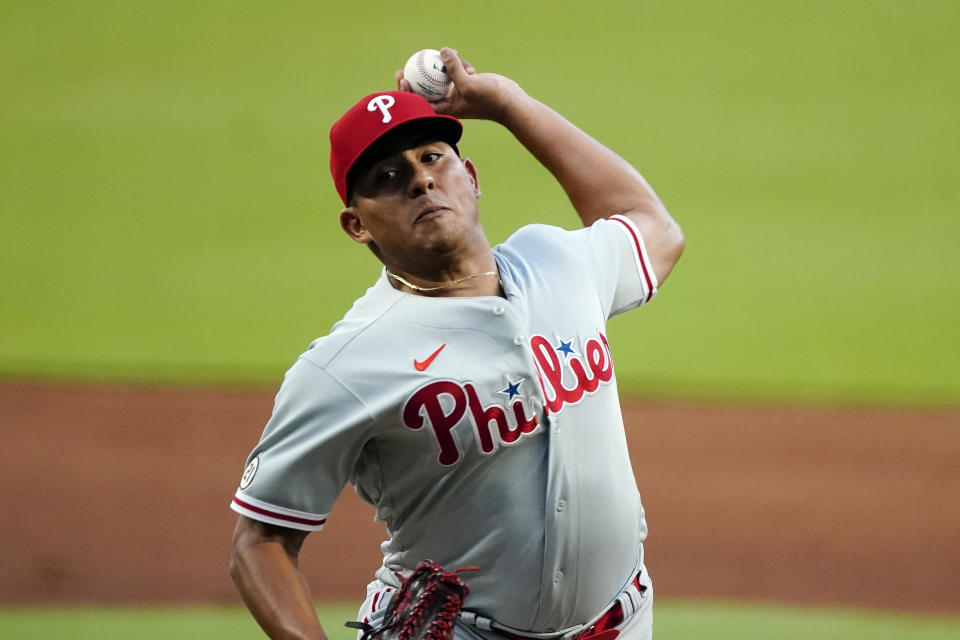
421,589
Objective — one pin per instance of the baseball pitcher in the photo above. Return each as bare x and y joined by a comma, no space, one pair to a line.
470,394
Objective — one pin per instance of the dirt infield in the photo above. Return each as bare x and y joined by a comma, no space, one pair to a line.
115,495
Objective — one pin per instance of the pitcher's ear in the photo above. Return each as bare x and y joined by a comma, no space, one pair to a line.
471,170
351,223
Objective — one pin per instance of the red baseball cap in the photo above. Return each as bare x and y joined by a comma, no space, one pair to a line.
375,116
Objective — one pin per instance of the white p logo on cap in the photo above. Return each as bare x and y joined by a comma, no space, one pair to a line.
383,103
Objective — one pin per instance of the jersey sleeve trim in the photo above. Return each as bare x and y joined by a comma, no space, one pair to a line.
265,512
644,266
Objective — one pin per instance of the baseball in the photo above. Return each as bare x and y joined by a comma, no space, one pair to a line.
427,74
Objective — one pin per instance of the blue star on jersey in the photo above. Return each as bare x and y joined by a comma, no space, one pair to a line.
512,389
565,348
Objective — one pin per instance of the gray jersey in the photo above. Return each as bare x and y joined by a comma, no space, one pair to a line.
485,431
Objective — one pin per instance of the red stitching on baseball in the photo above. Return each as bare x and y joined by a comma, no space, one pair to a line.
425,74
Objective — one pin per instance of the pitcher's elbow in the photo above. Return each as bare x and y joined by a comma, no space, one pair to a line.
679,240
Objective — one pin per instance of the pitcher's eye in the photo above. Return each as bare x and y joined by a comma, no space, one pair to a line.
430,156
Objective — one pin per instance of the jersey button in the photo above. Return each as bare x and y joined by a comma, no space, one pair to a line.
498,310
518,340
557,577
561,505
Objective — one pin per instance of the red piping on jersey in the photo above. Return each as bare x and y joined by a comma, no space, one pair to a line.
636,242
280,516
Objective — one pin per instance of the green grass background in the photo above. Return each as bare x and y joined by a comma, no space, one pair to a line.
673,621
167,211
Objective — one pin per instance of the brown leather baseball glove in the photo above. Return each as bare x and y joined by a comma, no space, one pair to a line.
425,607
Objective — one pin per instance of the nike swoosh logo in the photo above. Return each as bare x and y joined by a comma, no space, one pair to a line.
420,366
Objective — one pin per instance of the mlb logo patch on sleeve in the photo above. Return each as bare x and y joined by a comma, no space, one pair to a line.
249,472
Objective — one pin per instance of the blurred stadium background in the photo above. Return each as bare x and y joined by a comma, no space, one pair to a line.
169,246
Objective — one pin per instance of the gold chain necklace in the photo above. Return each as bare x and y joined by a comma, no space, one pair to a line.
444,286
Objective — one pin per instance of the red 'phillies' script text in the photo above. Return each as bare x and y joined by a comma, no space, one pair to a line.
425,405
599,362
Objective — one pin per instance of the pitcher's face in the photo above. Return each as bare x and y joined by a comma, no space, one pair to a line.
415,197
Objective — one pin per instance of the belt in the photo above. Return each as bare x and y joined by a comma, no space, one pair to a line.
602,628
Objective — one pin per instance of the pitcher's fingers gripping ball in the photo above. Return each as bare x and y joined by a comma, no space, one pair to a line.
427,74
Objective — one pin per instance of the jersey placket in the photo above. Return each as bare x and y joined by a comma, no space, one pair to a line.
558,529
